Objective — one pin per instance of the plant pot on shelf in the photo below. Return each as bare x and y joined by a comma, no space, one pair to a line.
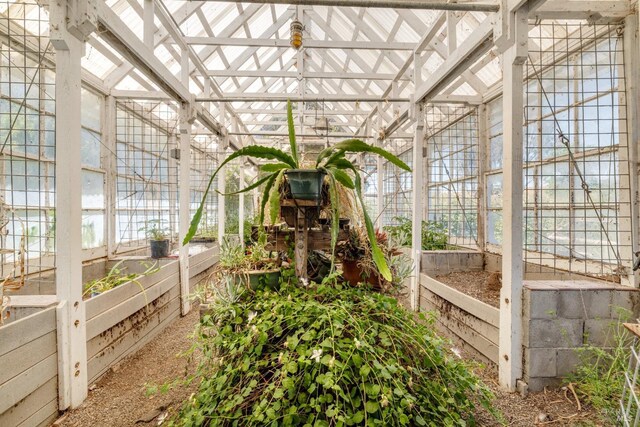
306,184
269,278
159,248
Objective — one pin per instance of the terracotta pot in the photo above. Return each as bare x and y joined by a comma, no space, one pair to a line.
353,274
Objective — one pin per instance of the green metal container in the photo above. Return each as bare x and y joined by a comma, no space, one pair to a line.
306,184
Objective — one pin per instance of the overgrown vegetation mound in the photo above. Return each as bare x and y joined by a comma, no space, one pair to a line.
327,356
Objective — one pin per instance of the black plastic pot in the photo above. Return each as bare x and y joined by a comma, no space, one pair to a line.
306,184
159,248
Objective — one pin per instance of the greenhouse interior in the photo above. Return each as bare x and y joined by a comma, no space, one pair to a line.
319,213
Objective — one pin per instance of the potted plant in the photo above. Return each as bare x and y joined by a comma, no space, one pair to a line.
158,238
331,164
252,268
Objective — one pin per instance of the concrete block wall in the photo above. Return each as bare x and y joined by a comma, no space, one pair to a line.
434,263
559,317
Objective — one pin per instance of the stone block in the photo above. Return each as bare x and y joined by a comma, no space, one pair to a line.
599,332
540,362
540,304
627,300
538,384
584,304
555,333
567,359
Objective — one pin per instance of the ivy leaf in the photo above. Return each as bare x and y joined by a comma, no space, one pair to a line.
371,406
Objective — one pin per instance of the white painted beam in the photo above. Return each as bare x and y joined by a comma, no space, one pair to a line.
72,333
184,204
306,74
476,45
148,21
477,6
307,44
416,206
510,340
593,10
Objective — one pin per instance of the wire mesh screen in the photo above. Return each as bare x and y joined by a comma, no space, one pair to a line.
575,125
27,142
452,171
146,194
203,163
370,184
397,185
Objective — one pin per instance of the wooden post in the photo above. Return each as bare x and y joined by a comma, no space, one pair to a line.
510,340
483,162
184,211
71,317
241,206
417,195
417,200
628,150
110,164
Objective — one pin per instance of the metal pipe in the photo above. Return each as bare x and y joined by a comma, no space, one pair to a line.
389,4
284,98
307,135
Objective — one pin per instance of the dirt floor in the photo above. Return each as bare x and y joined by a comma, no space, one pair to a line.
133,390
124,396
481,285
553,407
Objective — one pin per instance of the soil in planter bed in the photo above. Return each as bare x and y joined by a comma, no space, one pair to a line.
474,284
120,397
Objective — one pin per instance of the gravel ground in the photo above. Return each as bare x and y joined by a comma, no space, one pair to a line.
121,397
480,285
553,407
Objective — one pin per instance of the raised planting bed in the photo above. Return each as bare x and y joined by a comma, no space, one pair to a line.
473,324
29,370
123,319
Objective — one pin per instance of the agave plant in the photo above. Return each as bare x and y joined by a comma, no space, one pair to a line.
332,160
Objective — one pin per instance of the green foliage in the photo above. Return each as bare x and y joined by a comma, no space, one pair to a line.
117,276
599,378
154,230
332,160
325,356
434,234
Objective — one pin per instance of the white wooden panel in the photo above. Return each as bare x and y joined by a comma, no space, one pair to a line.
27,382
116,314
42,401
27,329
24,357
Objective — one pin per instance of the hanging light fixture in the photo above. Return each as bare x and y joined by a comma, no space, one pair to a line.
296,34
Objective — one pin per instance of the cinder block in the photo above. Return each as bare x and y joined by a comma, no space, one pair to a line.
599,332
540,304
555,333
540,362
627,300
538,384
584,304
567,359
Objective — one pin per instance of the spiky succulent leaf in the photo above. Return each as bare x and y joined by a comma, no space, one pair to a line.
274,167
249,151
335,214
256,184
376,252
265,196
292,134
358,146
274,197
342,177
